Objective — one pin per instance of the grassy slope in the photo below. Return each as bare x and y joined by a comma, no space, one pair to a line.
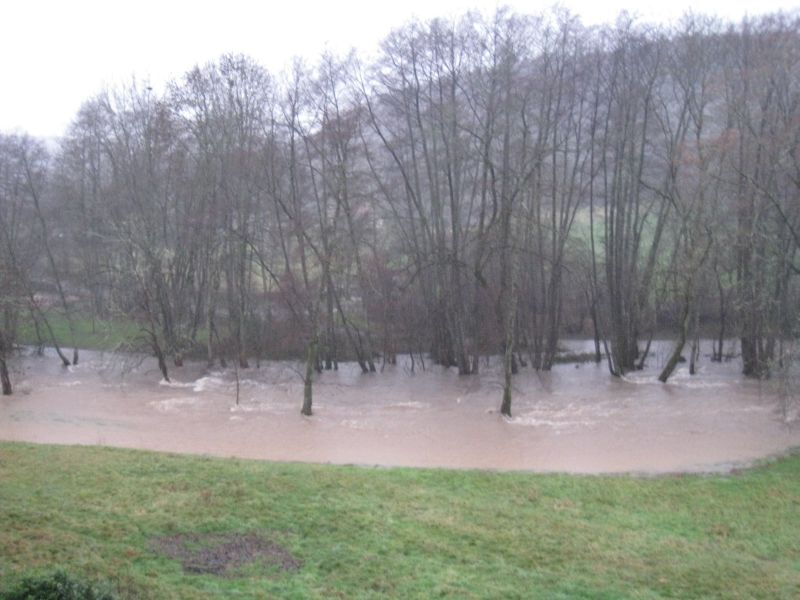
402,533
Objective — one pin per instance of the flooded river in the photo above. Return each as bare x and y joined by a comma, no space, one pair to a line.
573,419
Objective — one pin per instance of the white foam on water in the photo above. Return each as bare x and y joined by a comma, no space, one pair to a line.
700,385
354,424
248,408
409,404
208,383
640,379
535,420
256,405
753,409
176,384
173,404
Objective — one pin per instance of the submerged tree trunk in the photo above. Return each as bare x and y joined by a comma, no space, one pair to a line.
330,334
598,354
675,358
5,380
646,352
508,360
308,381
64,360
509,302
695,344
162,364
753,357
158,352
717,349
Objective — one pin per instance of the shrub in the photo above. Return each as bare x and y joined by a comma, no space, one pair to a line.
57,586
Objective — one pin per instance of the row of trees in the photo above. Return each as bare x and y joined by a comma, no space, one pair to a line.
484,186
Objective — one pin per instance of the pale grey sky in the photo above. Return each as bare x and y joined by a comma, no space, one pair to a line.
56,54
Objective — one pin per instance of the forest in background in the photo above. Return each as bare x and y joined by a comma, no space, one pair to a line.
484,187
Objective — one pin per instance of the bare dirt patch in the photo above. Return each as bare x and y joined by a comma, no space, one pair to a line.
222,553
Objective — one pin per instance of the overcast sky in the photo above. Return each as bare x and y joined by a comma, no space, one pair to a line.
56,54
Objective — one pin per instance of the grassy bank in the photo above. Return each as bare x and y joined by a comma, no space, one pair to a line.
90,334
362,533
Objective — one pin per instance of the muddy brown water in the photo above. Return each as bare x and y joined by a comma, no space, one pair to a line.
574,419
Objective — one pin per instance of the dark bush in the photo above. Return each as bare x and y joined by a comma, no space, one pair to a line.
57,586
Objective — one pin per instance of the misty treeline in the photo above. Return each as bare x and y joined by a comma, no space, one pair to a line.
483,187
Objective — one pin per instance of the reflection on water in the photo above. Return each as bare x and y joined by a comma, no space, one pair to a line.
576,418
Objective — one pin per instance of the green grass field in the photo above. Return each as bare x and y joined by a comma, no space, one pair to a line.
399,533
89,334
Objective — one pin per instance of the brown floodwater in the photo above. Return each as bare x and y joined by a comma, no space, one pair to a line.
574,419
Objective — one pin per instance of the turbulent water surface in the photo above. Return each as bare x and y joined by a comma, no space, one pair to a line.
575,418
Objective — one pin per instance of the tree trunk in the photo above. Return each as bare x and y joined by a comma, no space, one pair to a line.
330,337
598,355
64,359
159,353
508,359
643,357
675,358
162,365
753,359
509,362
56,276
4,377
718,350
39,337
695,344
308,381
5,380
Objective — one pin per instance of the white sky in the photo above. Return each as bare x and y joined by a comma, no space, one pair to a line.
56,54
